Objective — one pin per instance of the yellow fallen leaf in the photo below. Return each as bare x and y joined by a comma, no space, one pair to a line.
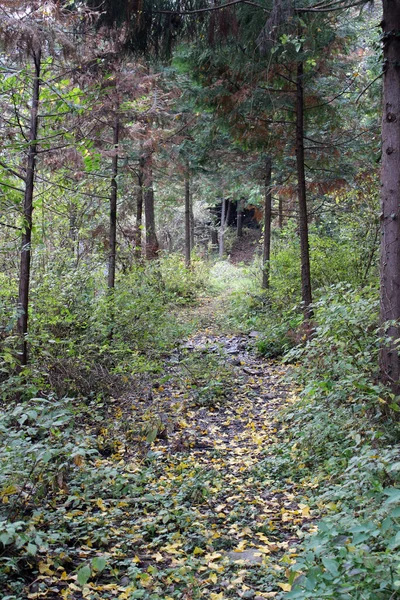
158,556
305,510
44,568
101,505
213,577
286,587
240,547
213,556
216,567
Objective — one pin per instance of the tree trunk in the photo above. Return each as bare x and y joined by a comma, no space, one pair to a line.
191,220
239,218
25,263
280,213
152,246
187,219
113,206
267,224
302,198
390,196
222,229
139,210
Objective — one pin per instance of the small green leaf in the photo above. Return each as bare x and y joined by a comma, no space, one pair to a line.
47,456
31,549
151,436
331,566
99,563
5,539
84,574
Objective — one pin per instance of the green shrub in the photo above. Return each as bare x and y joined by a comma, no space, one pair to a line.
342,456
340,360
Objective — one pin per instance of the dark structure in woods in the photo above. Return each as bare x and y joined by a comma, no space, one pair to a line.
251,215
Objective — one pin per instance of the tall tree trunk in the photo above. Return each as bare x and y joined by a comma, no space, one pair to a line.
187,218
152,246
239,218
280,213
222,228
228,213
25,263
267,224
191,220
139,210
113,206
390,196
302,198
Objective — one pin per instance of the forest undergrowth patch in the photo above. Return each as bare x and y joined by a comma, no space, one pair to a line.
221,474
154,495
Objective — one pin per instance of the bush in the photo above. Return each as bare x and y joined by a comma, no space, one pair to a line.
342,456
341,358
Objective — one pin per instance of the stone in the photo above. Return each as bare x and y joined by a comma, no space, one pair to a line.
253,557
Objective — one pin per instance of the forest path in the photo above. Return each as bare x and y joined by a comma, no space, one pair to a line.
214,523
185,500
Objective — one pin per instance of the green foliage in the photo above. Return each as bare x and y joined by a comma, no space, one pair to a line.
339,362
88,341
336,443
183,285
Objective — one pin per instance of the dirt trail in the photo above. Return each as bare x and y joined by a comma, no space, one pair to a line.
211,443
182,502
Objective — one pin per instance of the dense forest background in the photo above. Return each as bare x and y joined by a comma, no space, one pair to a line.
181,181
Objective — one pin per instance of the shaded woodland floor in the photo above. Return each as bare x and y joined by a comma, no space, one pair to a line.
177,505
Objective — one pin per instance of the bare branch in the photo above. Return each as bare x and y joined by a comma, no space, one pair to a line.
15,173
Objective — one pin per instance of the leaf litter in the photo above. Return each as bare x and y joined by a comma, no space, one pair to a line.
173,505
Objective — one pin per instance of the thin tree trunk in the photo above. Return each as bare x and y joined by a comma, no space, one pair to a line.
139,210
302,198
239,218
113,206
390,197
191,220
228,213
222,229
72,225
25,263
152,246
267,224
280,213
187,219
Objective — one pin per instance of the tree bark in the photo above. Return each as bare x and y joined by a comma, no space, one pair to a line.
152,246
25,262
267,224
228,213
187,219
139,210
239,218
222,229
280,213
302,197
113,206
191,220
390,196
214,237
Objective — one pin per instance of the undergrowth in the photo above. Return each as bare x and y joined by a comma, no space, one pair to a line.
342,439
